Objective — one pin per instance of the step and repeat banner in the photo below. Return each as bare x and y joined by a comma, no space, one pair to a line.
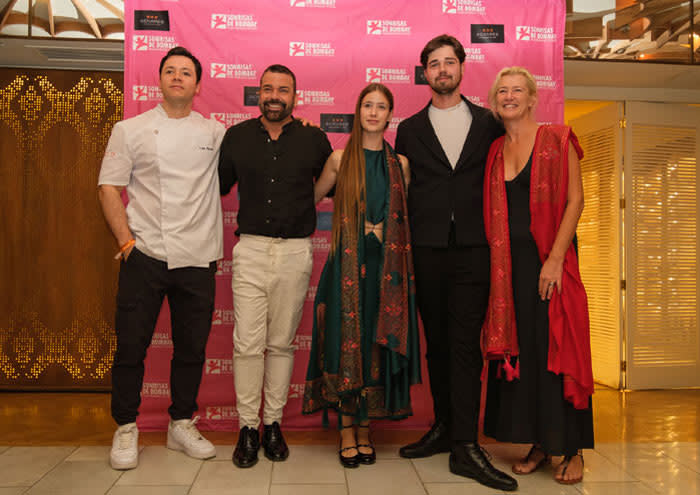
335,48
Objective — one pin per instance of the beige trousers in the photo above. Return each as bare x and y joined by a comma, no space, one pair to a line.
270,281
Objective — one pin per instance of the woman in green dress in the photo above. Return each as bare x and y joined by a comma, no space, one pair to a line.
365,350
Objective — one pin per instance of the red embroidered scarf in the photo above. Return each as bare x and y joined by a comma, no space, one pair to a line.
569,337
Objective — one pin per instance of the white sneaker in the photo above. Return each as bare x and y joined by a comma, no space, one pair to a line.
125,447
184,436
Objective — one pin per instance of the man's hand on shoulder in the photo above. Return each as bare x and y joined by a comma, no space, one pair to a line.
306,122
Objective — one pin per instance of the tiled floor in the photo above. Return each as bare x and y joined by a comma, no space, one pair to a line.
647,442
611,469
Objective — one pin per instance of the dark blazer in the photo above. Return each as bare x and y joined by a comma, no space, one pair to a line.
437,192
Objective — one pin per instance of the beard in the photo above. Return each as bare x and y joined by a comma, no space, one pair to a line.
275,115
446,86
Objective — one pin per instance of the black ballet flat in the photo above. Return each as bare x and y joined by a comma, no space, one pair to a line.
365,458
349,461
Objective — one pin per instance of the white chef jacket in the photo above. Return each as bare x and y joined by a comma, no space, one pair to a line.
169,167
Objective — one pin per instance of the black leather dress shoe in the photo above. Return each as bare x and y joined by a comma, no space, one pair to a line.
273,443
468,459
435,441
245,454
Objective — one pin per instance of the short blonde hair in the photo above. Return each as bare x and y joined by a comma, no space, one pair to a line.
511,71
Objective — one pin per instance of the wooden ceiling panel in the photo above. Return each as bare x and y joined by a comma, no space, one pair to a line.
653,30
58,17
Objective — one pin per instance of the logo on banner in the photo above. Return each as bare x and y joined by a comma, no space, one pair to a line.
314,97
394,124
146,93
155,389
296,49
324,219
229,119
419,75
251,96
140,43
309,49
320,244
232,71
151,20
463,7
387,75
221,413
143,43
311,293
337,122
224,267
302,342
535,33
230,217
219,367
296,391
474,55
222,317
476,100
161,339
391,27
234,22
321,4
545,81
487,33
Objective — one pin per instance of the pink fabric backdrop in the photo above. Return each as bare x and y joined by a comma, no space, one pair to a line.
335,47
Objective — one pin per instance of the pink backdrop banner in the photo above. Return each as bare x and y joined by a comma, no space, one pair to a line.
335,48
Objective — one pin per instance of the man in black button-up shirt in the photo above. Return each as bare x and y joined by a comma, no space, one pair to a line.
275,161
275,176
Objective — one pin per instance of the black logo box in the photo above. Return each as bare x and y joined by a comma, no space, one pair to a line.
251,96
487,33
419,75
151,20
324,220
337,122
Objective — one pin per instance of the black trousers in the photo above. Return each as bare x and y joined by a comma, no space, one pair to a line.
143,283
452,288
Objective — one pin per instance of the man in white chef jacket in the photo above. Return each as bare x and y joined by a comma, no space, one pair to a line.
169,238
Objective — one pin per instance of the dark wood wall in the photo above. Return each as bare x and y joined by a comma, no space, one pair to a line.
57,275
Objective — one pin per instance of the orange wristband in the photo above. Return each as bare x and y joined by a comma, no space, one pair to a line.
123,249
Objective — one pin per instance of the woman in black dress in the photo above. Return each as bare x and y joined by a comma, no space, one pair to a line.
539,375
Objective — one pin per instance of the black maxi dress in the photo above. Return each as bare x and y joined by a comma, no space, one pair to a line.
532,409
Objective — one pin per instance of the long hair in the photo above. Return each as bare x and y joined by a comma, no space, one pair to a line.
349,201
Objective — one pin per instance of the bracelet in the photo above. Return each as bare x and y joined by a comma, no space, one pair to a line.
123,249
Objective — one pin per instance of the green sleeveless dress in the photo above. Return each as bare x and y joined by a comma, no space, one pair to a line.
386,375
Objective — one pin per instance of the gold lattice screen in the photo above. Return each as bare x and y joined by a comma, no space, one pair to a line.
57,281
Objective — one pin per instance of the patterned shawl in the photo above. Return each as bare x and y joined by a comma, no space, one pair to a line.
337,313
569,339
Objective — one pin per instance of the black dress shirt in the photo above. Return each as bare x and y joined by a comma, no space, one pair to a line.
275,177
